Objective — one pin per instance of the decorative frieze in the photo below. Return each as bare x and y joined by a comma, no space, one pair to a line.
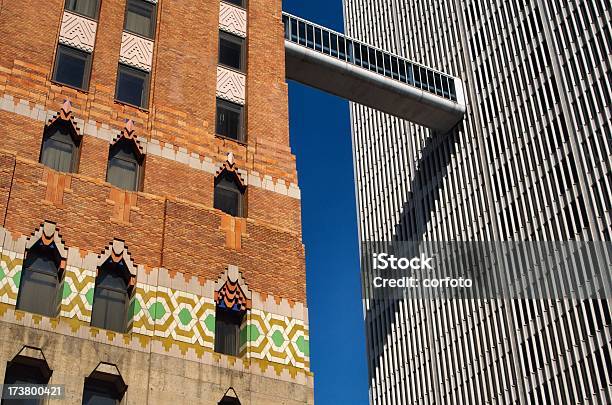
231,85
233,19
78,32
136,51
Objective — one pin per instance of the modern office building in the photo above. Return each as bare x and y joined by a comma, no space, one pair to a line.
150,244
531,161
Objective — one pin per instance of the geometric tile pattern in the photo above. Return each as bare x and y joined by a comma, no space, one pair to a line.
175,318
136,51
278,339
233,19
10,275
77,294
231,85
78,32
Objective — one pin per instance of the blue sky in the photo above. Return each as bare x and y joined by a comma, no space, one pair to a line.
321,140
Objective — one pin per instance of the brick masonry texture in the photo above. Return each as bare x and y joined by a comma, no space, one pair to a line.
171,223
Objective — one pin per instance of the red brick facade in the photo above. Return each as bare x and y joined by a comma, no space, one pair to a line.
172,222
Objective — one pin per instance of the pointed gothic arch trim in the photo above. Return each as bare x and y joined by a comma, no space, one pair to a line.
231,291
129,133
47,234
65,115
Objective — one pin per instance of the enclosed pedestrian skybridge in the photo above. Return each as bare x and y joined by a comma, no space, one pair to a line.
345,67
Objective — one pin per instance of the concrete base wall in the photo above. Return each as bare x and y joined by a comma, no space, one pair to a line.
151,378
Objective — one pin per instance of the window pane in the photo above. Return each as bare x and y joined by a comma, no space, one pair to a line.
230,51
122,174
326,42
17,373
318,39
131,86
236,2
109,309
70,67
57,149
341,48
227,201
37,292
140,17
91,397
302,32
227,331
310,36
334,44
87,8
229,120
294,33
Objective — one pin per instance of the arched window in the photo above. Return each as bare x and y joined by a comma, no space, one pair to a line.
41,280
124,165
111,296
229,194
60,147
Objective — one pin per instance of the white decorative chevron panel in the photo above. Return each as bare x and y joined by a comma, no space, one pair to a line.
231,85
78,32
136,51
233,19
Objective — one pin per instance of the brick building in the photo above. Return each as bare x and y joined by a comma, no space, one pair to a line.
151,240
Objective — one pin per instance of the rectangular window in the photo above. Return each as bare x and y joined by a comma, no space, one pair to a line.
394,68
227,331
302,32
387,64
349,51
310,36
379,63
341,48
230,120
239,3
334,44
72,67
364,57
318,40
87,8
132,86
402,70
326,42
231,51
358,54
372,54
294,33
140,18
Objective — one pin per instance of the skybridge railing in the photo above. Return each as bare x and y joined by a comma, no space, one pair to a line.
341,47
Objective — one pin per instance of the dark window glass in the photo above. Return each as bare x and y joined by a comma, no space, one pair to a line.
72,67
39,287
410,73
140,18
333,39
88,8
445,86
294,33
229,196
17,373
349,51
227,331
379,62
287,26
438,83
394,68
341,48
110,298
229,120
430,81
402,71
310,36
326,42
98,392
132,86
231,52
372,54
358,54
318,40
236,2
59,150
123,166
364,57
451,89
387,66
302,32
423,73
